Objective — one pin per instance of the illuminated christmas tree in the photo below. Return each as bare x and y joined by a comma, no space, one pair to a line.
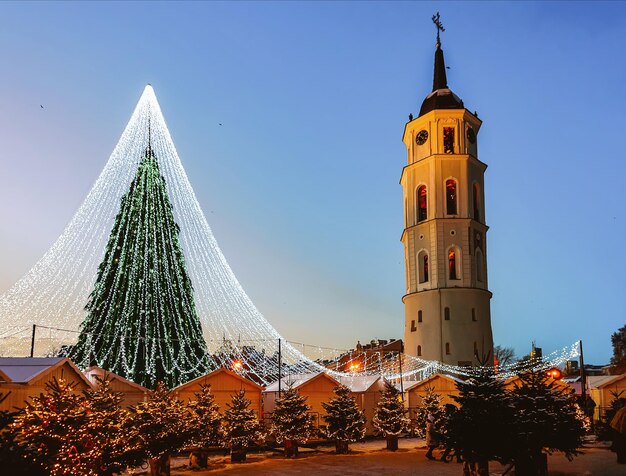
142,321
390,418
51,432
430,406
207,424
160,427
345,422
291,422
241,427
107,430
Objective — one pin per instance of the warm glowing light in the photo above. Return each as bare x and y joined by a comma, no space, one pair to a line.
237,365
554,373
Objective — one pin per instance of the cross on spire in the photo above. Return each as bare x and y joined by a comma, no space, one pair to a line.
438,25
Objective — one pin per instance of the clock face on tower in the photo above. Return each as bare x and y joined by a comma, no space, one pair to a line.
421,137
471,135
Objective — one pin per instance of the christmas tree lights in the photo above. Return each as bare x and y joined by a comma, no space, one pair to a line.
53,294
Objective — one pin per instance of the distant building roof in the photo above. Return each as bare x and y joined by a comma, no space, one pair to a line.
597,381
24,369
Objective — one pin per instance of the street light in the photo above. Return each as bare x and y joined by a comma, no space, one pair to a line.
554,373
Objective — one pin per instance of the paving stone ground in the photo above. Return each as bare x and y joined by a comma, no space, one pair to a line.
370,459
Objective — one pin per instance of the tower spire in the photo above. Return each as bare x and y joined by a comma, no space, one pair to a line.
439,79
440,97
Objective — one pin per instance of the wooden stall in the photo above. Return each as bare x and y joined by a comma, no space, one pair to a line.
367,392
317,387
24,377
603,389
224,383
133,392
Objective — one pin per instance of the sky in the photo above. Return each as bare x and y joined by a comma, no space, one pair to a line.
288,117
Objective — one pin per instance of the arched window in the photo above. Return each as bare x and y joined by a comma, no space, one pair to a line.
447,348
419,316
451,197
474,315
453,264
422,259
419,350
476,197
446,313
422,203
480,266
448,140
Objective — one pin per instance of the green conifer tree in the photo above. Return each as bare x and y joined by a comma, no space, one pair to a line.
547,419
390,418
345,422
54,424
159,427
207,423
430,405
291,422
141,321
106,426
21,459
241,427
482,428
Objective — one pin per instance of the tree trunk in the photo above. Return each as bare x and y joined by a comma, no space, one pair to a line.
237,455
291,448
341,447
198,459
533,464
160,466
476,468
392,442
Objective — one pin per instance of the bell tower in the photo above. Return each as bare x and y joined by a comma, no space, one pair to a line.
447,300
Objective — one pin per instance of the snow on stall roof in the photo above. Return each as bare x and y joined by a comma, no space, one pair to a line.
294,381
24,369
359,383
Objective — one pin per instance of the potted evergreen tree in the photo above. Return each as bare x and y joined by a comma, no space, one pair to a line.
345,422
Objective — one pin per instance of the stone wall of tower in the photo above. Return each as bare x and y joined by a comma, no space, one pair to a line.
431,331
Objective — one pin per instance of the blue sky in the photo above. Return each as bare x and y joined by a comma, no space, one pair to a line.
300,183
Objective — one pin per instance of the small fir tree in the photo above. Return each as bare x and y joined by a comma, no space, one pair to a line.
160,426
430,405
207,423
53,424
111,451
241,427
482,427
390,418
547,419
21,459
291,422
345,422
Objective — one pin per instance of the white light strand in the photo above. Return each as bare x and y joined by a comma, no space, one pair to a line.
53,294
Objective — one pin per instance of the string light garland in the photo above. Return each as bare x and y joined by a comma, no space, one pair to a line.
54,293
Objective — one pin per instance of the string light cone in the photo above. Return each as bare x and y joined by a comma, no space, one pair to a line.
54,294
